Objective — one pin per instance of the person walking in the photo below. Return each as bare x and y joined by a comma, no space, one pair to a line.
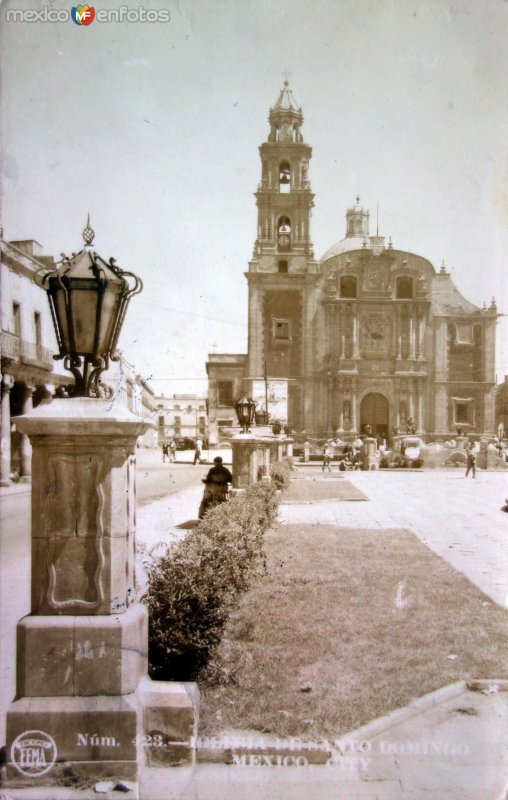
471,461
164,452
327,456
172,450
197,452
216,486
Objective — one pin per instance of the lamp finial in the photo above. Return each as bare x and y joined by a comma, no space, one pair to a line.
88,232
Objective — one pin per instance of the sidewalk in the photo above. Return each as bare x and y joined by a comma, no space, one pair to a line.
451,745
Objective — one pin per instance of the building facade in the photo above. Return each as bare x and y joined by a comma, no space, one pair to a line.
368,335
182,416
126,387
30,375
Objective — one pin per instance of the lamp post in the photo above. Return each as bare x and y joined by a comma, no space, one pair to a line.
88,299
82,663
245,409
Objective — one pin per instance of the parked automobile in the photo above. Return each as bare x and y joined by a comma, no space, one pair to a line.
411,447
184,443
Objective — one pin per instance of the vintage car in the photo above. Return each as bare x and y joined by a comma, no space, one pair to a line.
411,446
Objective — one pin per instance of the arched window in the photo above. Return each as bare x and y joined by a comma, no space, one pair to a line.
348,286
283,266
404,289
284,235
358,225
284,177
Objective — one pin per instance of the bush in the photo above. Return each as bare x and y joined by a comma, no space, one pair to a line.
280,472
384,463
416,463
193,588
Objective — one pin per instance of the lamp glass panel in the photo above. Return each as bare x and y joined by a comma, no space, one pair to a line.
60,307
84,314
110,302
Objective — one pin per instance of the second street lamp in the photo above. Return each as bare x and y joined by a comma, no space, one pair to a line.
245,408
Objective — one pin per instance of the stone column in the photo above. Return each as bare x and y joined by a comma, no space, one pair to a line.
255,366
82,653
329,404
421,336
5,464
412,333
341,416
356,333
25,447
354,428
489,404
419,409
398,334
411,400
440,409
441,349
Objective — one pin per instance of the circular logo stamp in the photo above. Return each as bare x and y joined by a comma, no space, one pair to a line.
33,753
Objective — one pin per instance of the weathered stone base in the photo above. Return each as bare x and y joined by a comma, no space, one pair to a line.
170,714
92,735
76,775
82,656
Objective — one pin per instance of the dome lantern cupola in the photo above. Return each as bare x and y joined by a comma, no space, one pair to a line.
357,221
286,118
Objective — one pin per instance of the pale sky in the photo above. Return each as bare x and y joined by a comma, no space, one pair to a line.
154,129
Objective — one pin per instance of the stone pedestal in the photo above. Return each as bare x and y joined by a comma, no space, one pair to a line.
83,650
251,458
306,451
492,456
370,458
481,458
461,442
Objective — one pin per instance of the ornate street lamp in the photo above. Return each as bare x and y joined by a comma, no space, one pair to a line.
88,299
245,408
276,427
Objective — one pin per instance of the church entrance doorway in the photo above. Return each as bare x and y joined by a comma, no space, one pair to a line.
374,412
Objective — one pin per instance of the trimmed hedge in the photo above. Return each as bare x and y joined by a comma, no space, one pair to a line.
280,472
193,588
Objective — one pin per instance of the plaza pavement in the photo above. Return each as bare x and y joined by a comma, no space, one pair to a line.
458,518
451,745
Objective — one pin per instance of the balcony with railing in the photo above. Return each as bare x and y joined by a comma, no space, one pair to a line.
24,352
10,346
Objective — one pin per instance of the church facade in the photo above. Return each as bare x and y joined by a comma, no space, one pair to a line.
366,336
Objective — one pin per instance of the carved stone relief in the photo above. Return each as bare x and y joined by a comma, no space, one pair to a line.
75,556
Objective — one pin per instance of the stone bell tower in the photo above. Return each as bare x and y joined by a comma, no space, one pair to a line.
282,270
284,198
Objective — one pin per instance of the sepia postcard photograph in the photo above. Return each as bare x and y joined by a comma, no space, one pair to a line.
254,400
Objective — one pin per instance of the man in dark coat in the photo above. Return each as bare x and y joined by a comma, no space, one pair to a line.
216,486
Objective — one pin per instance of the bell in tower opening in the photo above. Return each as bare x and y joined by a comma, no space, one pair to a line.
284,235
284,177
